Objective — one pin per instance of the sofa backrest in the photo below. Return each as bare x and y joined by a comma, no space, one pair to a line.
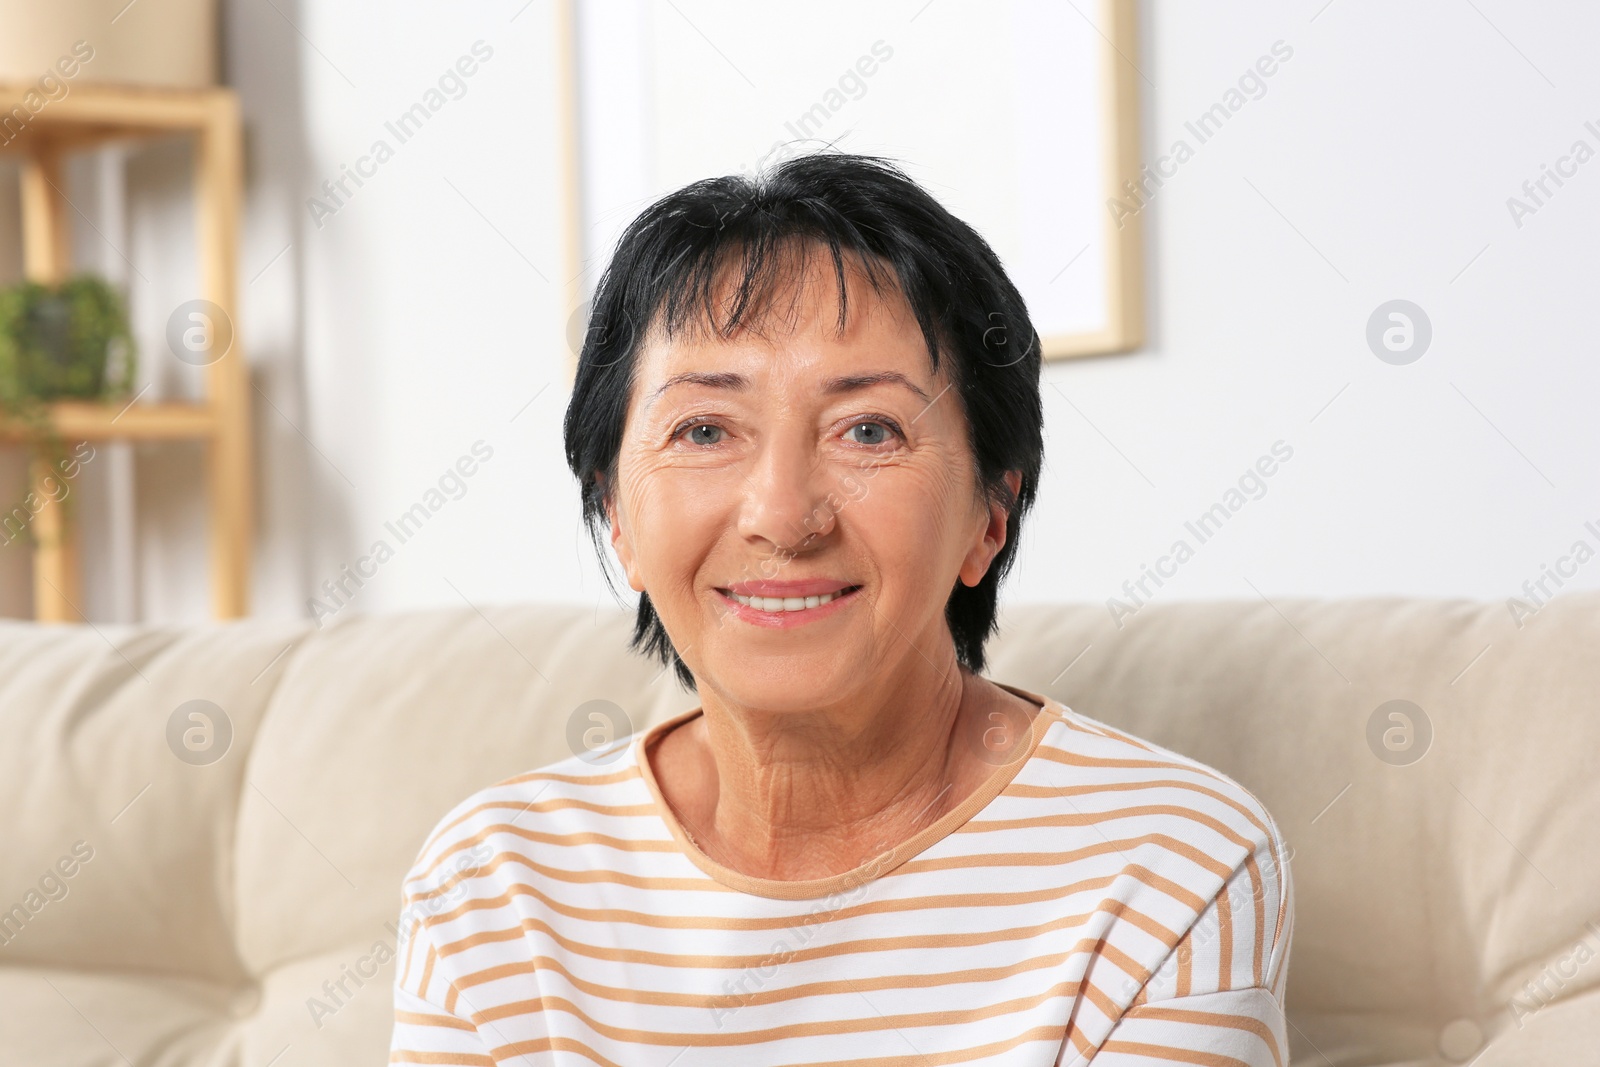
257,882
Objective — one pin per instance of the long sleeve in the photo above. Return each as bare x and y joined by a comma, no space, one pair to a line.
1218,998
425,1033
429,1024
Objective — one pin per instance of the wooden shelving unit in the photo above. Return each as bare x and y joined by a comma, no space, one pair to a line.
89,117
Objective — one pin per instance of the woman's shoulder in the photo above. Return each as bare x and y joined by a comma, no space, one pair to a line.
1183,827
576,796
1109,755
1083,756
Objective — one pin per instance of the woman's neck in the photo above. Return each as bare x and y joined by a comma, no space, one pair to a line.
802,795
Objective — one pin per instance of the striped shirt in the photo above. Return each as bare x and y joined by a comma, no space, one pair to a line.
1098,898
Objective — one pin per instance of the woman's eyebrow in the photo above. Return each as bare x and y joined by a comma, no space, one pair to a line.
714,379
850,382
842,384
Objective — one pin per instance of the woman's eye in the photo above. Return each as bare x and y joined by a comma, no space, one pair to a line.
869,433
709,434
704,433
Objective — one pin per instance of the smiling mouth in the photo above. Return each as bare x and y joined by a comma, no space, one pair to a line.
787,603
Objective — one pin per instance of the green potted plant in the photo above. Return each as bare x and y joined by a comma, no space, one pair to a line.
65,342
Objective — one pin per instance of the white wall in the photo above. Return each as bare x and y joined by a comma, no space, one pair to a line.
1376,166
429,310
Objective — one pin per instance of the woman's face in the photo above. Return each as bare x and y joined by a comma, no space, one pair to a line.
799,505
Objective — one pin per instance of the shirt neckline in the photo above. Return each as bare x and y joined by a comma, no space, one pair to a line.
1050,712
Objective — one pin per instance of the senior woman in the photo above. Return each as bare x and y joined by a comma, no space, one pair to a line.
807,419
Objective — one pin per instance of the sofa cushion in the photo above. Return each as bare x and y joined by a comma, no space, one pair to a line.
90,785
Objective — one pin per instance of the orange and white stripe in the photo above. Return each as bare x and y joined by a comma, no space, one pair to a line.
1099,899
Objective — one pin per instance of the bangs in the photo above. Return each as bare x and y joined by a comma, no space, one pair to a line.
737,264
754,284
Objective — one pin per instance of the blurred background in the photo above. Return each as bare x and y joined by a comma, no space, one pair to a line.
433,307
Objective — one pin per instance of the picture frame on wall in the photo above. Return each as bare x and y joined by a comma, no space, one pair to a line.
1020,116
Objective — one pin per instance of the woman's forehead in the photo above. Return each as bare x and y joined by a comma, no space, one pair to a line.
811,362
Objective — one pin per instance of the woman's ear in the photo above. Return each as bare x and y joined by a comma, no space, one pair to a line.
620,543
993,535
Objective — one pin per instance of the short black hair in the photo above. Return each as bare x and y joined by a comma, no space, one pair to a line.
664,274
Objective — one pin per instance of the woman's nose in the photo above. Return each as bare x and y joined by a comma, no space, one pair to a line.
787,501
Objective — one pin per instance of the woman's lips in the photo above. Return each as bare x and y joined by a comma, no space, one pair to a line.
789,587
793,609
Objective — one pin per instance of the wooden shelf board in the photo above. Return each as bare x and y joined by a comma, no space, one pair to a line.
76,138
127,107
81,420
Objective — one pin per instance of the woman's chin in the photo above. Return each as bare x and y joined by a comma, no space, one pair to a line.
791,681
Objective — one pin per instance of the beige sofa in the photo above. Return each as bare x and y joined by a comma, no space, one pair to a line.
173,896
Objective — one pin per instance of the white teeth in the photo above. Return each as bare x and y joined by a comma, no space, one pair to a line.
788,603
